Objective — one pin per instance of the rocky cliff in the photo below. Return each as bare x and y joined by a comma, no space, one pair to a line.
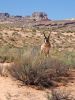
38,20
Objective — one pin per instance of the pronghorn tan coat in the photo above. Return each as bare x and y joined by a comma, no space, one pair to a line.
45,47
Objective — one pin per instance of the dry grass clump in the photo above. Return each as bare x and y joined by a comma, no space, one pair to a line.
60,94
37,70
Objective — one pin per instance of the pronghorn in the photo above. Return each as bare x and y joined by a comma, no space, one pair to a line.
45,47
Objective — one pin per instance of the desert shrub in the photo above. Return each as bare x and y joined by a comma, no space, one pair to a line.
38,70
60,94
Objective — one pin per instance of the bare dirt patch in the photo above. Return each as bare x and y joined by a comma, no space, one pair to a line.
11,90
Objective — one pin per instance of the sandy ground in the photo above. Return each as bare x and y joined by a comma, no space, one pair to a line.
11,90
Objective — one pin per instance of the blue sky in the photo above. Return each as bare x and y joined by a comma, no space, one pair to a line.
55,9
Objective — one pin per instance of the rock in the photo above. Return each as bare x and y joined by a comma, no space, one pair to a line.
39,16
4,15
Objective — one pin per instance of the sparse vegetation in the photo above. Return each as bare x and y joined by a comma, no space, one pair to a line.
20,41
39,71
68,57
58,94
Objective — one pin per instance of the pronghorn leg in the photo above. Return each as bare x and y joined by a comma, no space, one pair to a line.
47,55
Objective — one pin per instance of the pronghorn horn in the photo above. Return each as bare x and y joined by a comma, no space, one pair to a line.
44,34
49,34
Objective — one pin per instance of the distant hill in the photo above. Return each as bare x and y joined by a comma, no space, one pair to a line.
37,20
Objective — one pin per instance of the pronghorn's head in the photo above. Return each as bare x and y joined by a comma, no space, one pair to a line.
46,38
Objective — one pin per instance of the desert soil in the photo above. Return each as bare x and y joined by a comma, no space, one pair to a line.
11,89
